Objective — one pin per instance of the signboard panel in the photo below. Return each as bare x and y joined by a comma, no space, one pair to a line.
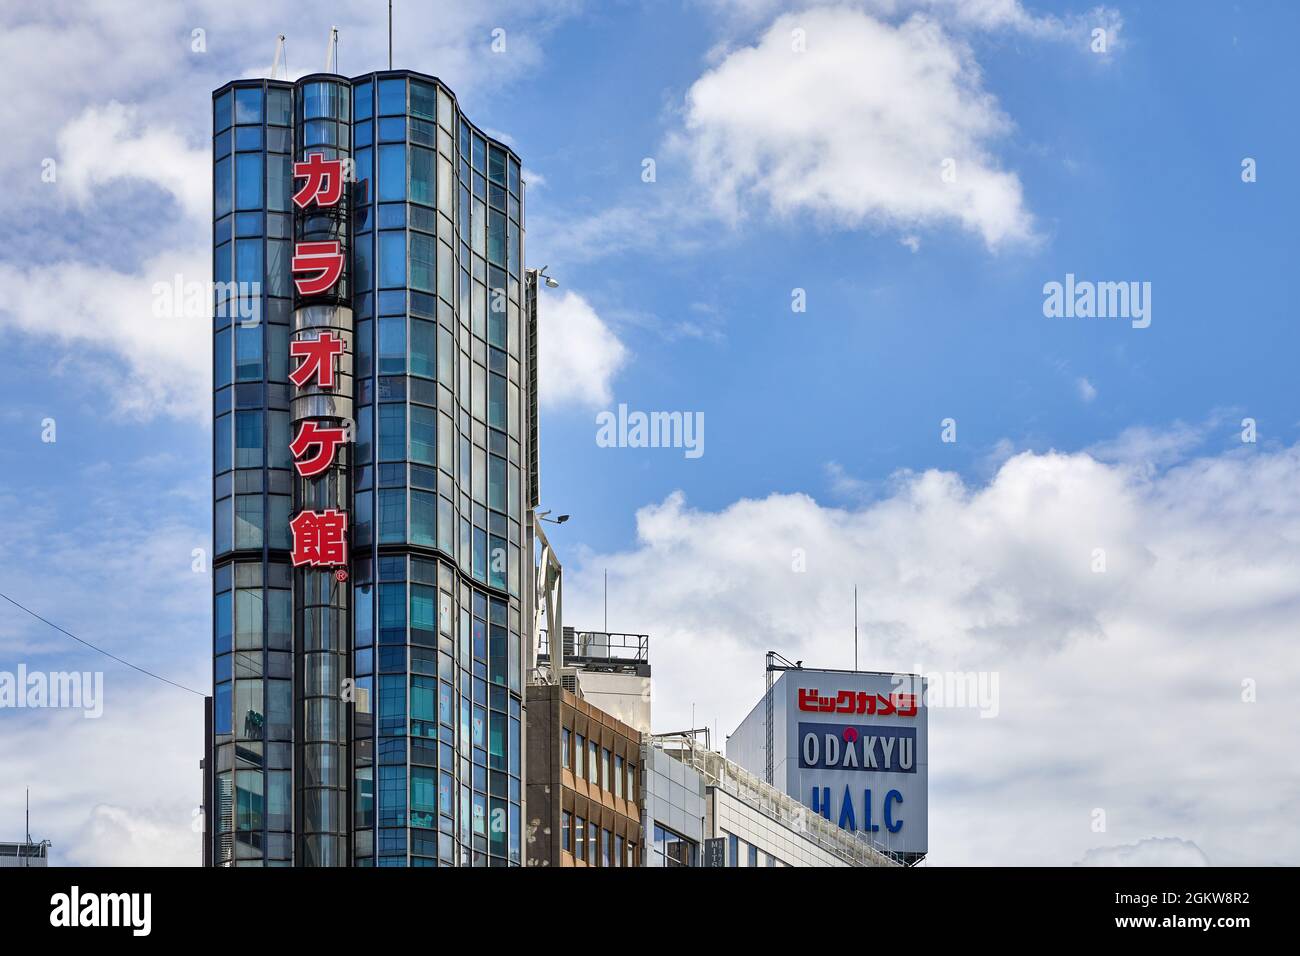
852,746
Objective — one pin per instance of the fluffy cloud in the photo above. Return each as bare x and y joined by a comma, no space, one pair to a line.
117,94
855,129
1125,690
578,354
109,143
115,566
102,318
1156,851
999,15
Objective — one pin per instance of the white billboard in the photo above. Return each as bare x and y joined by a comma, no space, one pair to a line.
850,745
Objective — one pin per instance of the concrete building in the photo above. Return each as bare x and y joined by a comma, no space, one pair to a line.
584,783
741,820
850,745
609,670
16,855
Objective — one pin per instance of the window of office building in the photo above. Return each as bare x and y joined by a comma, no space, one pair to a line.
672,849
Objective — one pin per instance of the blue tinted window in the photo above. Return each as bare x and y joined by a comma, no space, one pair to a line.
392,432
221,112
248,106
248,224
497,166
392,259
248,181
361,105
392,173
423,339
424,434
221,188
424,513
496,238
248,260
277,107
392,515
423,265
392,97
221,709
248,137
362,270
222,619
279,180
248,440
277,268
423,175
221,359
424,100
221,444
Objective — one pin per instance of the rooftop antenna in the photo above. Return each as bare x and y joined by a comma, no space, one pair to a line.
390,34
332,51
855,627
607,609
279,55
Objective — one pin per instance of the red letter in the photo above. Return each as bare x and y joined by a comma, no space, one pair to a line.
319,539
323,258
324,181
318,359
310,434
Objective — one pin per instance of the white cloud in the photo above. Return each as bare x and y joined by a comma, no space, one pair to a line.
108,143
102,318
116,94
578,354
1087,391
856,129
1119,690
1155,851
112,562
987,15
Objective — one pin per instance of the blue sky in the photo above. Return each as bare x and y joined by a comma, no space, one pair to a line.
775,171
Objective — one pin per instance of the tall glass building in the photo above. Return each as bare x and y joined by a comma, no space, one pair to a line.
370,714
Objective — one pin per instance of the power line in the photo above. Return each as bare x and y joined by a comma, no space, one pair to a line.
100,649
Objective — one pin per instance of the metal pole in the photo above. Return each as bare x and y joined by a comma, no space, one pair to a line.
855,627
390,34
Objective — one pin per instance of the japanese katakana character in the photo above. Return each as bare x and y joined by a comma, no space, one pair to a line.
323,258
324,182
318,360
328,440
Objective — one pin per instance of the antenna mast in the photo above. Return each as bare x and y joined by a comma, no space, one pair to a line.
332,51
279,54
